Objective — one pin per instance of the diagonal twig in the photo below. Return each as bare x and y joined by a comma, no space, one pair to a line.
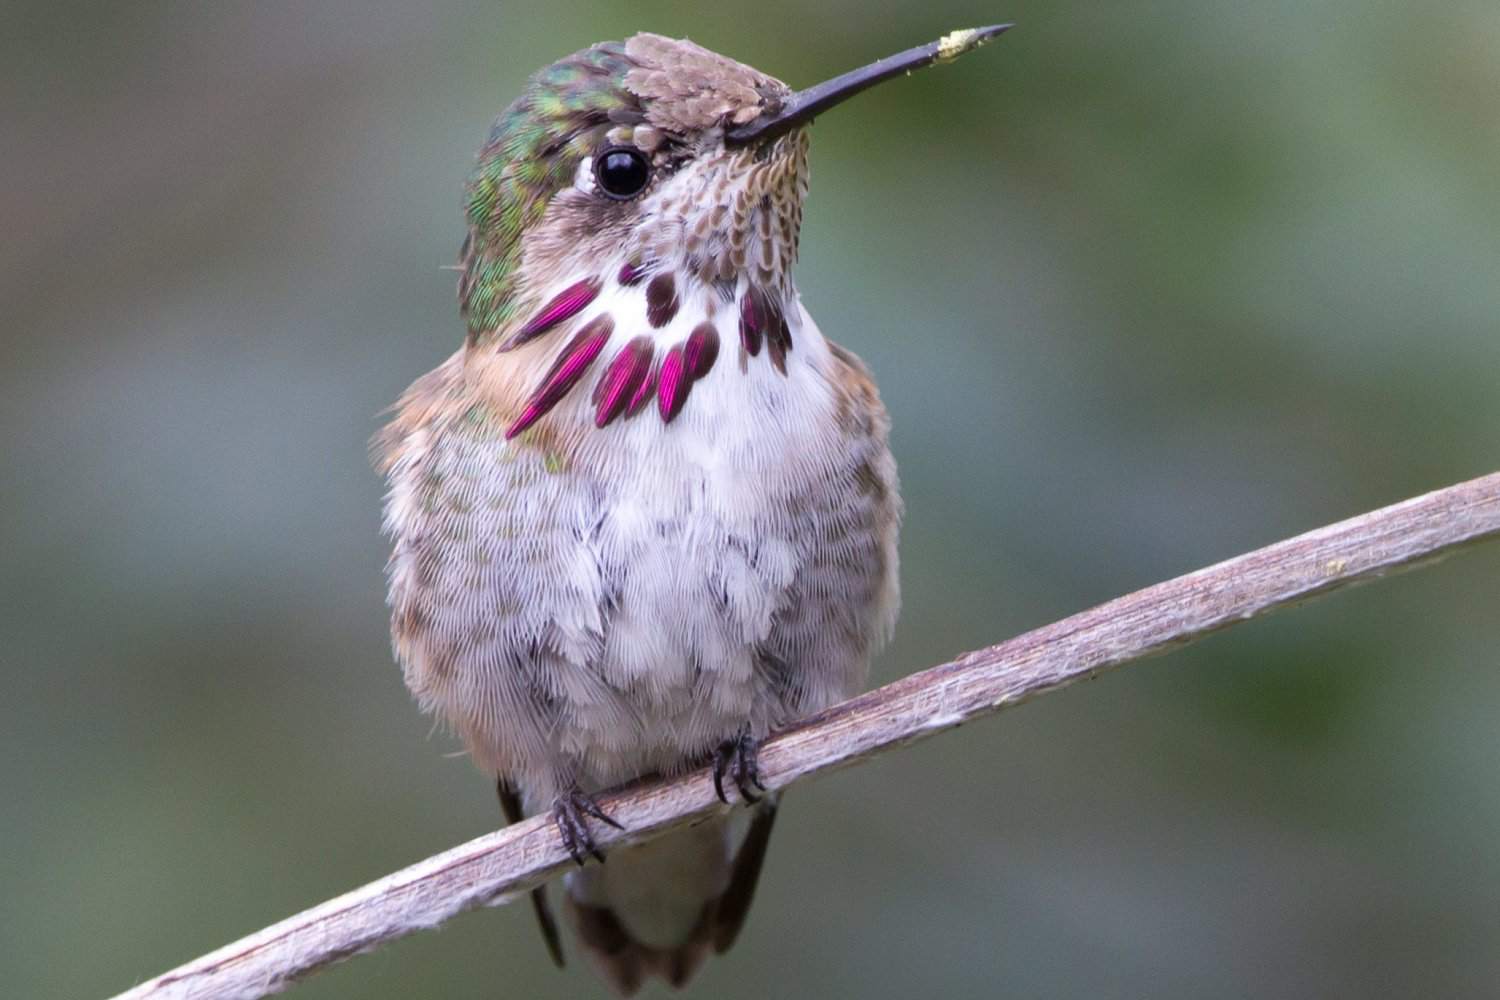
503,865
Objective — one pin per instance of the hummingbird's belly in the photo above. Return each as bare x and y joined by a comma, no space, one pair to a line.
625,606
739,566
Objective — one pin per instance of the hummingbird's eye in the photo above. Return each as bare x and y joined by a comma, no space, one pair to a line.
622,172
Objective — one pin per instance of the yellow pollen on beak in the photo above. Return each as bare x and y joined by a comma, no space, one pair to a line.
956,43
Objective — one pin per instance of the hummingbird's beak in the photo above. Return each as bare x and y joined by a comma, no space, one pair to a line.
804,105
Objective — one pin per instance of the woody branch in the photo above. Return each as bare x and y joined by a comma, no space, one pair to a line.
500,866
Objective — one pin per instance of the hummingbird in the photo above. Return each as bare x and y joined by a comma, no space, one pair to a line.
647,513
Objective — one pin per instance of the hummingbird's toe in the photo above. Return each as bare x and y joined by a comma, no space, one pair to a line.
739,758
570,812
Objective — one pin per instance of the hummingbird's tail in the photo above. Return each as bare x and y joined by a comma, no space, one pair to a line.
661,908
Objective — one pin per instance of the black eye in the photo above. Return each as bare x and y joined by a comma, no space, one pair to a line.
622,172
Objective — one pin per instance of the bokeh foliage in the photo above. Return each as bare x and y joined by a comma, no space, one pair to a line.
1146,284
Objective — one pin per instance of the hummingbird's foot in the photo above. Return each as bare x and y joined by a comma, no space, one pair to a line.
570,812
739,758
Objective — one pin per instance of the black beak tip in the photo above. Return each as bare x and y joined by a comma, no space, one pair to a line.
956,44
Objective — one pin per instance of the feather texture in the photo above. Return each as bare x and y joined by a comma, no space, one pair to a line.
585,597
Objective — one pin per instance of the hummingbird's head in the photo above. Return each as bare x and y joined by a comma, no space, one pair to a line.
614,165
639,193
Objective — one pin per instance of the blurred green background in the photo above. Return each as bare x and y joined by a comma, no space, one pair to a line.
1146,284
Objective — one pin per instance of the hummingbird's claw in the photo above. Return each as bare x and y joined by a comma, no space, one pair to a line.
569,812
739,758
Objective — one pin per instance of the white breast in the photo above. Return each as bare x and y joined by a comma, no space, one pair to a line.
698,537
626,606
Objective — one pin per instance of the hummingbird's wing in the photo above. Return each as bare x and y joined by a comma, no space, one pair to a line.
510,805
